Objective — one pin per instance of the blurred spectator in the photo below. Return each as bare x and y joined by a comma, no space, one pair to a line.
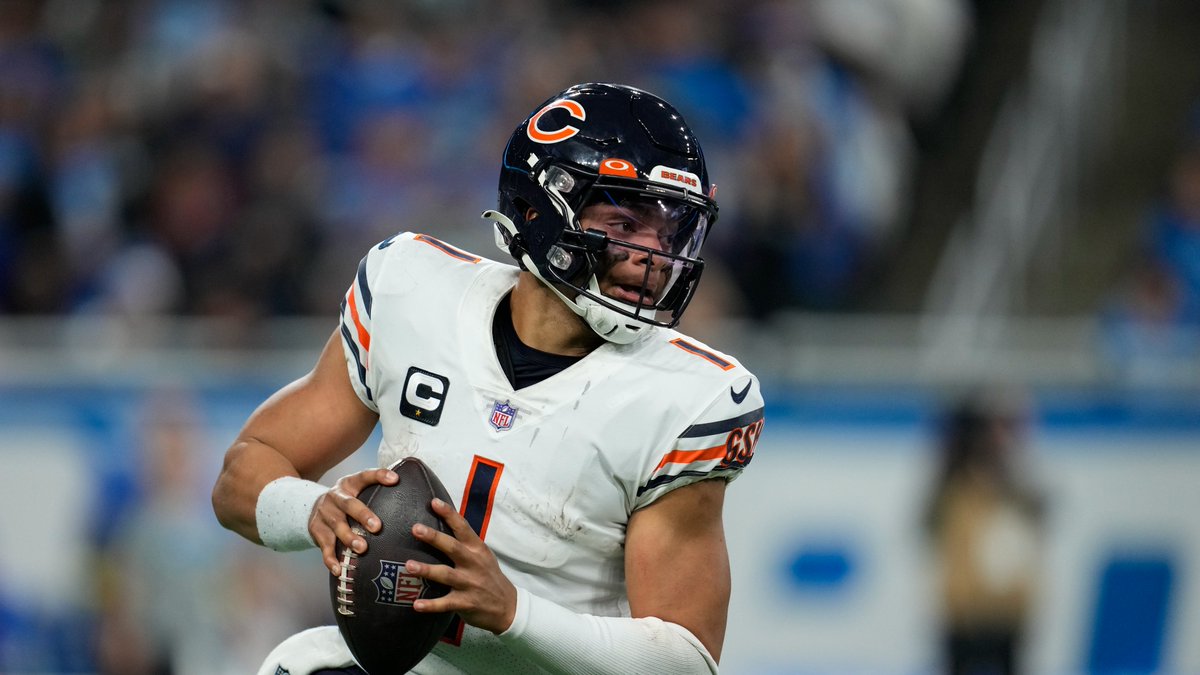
166,549
33,75
912,47
84,184
804,256
1150,326
985,524
1150,335
1174,227
174,596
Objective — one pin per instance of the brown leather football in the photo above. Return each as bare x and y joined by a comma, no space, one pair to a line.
373,595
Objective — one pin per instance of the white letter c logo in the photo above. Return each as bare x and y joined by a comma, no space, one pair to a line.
424,391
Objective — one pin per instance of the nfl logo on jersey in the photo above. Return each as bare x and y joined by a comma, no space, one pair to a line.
502,416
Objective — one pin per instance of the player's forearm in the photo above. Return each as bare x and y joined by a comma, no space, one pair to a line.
561,641
249,466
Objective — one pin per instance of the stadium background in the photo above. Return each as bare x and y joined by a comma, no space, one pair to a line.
919,198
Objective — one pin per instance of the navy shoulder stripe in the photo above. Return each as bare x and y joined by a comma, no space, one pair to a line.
702,353
668,478
349,340
364,289
722,426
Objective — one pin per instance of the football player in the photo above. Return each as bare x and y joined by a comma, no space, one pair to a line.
590,441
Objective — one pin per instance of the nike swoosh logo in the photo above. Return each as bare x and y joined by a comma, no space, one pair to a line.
739,396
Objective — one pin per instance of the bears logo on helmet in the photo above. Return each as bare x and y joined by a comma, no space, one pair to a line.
537,135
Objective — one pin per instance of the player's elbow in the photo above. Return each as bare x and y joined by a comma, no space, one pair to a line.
221,501
229,496
706,647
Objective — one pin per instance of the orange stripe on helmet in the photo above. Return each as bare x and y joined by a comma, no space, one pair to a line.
539,135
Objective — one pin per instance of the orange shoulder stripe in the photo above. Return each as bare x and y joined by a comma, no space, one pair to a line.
363,336
689,456
447,249
702,353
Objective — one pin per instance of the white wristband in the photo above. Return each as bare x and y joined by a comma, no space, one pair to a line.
282,512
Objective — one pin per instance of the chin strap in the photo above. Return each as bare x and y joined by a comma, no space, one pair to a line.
607,322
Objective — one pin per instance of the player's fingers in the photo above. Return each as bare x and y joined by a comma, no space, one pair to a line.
355,483
453,601
348,536
359,513
346,492
386,476
325,541
442,574
439,540
320,528
458,525
435,605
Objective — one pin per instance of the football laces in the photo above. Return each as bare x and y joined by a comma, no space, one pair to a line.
345,588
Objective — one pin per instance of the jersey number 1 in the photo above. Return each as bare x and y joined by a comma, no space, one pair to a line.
476,509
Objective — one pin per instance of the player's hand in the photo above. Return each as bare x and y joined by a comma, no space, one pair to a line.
328,524
479,591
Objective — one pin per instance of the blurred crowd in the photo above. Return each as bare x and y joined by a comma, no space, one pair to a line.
235,157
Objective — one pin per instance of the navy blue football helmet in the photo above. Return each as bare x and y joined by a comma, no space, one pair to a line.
606,144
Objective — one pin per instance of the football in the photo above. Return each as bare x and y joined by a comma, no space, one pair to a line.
373,596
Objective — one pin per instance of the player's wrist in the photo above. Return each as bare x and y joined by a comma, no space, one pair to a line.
283,510
520,617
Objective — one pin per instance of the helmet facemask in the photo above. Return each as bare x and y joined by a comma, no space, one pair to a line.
660,228
650,263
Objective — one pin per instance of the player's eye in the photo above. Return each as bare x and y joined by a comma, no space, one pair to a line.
621,226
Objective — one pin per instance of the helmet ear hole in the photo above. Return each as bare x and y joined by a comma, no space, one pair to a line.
523,208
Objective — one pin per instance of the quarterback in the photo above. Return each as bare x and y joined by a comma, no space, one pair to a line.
591,442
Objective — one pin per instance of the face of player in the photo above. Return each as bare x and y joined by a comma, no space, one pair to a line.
637,269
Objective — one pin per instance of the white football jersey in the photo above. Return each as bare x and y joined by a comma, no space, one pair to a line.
548,475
